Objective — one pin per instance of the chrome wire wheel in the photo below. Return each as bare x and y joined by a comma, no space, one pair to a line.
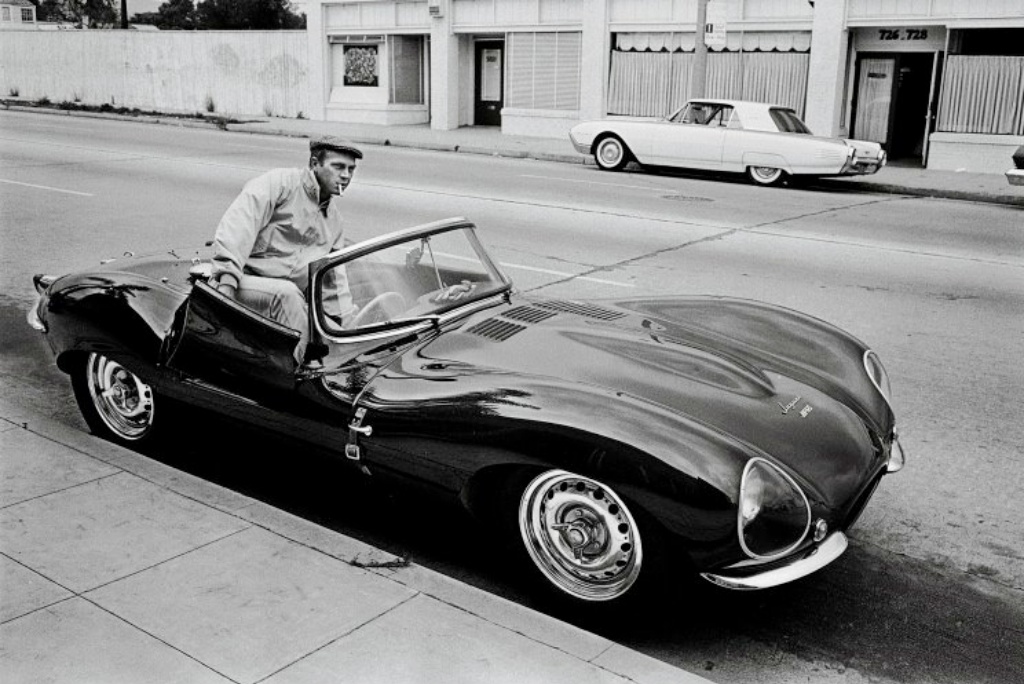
765,175
610,154
123,402
580,536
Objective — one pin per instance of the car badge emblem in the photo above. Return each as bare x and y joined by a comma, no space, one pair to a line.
786,408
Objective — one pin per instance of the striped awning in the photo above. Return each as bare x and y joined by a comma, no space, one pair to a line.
735,41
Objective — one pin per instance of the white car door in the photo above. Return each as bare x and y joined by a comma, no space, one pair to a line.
694,138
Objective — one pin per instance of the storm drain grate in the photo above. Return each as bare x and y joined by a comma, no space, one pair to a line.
496,329
686,198
528,314
588,310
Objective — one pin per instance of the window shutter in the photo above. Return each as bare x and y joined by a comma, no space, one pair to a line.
544,70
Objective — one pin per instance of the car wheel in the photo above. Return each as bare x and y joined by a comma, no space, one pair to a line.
765,175
580,535
115,403
611,154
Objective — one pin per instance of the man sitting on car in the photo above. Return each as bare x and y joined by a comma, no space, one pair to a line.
281,222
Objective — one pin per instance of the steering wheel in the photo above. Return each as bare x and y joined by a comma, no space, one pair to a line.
383,307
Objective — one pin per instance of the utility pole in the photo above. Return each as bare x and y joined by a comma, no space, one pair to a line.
699,73
124,14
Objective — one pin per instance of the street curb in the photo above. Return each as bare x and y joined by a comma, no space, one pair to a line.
526,622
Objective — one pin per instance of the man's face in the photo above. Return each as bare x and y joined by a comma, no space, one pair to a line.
334,173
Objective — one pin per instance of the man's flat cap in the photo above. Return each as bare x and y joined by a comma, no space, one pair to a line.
333,142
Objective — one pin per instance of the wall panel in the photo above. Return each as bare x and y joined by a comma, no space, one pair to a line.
239,72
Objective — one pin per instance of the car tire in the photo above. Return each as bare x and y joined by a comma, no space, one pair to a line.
766,175
116,404
581,537
611,154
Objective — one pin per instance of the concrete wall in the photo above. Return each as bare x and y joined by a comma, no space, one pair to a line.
263,73
972,152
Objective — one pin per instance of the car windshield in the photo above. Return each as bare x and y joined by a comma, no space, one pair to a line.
704,114
424,276
788,121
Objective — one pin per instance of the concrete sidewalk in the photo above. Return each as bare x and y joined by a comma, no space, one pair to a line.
116,568
893,179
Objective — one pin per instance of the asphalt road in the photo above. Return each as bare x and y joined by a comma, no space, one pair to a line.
932,589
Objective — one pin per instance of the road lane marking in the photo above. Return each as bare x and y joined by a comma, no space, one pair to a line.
590,182
47,187
563,274
546,271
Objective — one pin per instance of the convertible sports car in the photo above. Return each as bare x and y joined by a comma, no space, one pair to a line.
612,440
766,141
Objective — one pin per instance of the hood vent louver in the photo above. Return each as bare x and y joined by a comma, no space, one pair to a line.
496,329
587,310
528,314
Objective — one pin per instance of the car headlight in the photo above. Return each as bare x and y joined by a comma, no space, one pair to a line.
774,515
879,378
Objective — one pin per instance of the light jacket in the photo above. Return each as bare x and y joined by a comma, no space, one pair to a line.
275,228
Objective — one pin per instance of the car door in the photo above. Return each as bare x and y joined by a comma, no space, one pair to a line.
218,341
695,137
240,363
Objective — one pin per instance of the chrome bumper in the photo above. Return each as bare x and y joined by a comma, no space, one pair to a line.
804,564
582,148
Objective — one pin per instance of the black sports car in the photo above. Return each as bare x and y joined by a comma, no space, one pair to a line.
726,437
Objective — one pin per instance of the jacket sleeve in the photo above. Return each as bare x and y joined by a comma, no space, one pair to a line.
236,233
337,296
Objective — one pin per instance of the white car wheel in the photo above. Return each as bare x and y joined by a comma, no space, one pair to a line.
611,153
765,175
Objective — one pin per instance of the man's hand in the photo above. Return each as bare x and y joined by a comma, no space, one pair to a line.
227,289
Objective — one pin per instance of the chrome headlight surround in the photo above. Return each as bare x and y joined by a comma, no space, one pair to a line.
879,378
771,504
33,315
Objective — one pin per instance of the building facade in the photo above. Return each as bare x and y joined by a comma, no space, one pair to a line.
17,14
940,82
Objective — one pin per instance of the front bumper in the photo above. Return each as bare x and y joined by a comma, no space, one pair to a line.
743,576
581,146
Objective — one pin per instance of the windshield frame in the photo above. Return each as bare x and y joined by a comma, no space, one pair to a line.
416,323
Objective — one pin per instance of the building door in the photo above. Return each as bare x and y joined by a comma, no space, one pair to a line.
490,70
893,102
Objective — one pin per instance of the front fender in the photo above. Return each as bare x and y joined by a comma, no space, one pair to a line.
112,313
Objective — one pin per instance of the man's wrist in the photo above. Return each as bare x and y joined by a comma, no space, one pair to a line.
227,284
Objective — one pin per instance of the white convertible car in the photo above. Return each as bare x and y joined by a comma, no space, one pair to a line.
766,141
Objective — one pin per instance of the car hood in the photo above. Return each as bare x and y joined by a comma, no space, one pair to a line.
775,380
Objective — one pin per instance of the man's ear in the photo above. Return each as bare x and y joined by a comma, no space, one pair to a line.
312,160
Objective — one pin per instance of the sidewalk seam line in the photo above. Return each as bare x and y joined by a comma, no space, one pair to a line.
165,560
162,641
340,637
68,488
507,628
